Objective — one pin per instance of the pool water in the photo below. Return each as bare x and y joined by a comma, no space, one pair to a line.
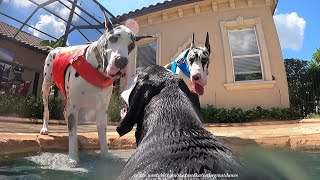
283,164
53,165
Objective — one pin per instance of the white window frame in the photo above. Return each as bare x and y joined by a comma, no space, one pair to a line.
145,42
231,84
242,56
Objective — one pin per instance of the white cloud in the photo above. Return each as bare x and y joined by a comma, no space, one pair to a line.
56,7
290,29
50,25
62,10
19,3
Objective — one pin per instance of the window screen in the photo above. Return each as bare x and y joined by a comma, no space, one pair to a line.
146,55
245,54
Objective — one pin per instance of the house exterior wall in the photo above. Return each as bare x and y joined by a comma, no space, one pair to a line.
174,28
27,58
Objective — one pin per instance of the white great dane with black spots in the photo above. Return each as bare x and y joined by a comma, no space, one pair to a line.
193,64
108,55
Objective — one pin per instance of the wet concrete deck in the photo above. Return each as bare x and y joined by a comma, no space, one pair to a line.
21,135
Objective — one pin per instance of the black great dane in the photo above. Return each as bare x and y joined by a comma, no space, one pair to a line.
170,137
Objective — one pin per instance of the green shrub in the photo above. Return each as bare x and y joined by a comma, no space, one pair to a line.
56,108
8,104
115,106
236,115
30,107
313,115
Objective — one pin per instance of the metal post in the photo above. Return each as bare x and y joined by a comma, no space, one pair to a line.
64,40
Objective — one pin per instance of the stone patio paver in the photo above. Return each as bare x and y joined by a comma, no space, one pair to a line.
20,135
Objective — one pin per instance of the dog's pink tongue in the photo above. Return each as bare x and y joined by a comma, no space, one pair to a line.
199,89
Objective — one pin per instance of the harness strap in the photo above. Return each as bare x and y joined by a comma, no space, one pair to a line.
98,57
182,63
89,73
86,71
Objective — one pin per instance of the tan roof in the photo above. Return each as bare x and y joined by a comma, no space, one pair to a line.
159,7
25,39
154,8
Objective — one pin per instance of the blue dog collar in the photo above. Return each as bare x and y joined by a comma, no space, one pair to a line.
181,62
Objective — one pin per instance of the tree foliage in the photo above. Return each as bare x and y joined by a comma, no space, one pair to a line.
295,68
52,44
315,62
304,85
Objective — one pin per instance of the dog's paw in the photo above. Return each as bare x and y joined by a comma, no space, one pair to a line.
44,131
73,160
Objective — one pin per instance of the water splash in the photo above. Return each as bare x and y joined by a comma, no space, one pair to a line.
54,165
55,161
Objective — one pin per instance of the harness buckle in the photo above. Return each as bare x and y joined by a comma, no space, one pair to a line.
75,60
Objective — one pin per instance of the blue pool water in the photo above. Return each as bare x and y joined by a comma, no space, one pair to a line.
53,165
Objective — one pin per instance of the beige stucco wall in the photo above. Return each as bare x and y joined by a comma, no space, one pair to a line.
28,58
174,31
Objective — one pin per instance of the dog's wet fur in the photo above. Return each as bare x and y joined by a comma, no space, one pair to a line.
169,134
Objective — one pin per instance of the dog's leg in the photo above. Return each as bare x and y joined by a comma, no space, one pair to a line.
71,114
101,122
72,120
47,82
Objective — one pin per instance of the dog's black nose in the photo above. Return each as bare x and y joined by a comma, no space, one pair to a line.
196,78
121,62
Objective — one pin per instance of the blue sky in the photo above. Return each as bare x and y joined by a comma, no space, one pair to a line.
308,10
297,22
126,5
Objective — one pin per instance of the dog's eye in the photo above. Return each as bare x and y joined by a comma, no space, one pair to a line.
113,38
204,61
191,60
130,47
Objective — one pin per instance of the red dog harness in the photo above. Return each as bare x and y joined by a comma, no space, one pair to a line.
79,63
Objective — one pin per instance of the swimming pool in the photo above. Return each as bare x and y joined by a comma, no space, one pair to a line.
53,165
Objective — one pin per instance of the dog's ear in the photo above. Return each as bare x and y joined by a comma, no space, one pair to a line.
207,44
107,22
168,66
109,26
192,42
139,98
129,119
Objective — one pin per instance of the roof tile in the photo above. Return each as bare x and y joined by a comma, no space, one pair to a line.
156,7
9,31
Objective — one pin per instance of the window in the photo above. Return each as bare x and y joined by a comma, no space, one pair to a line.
245,54
146,55
6,55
